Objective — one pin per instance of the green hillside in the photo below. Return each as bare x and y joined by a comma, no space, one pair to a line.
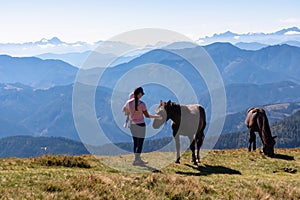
223,174
28,146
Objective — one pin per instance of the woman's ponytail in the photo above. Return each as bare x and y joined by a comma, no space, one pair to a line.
136,92
136,101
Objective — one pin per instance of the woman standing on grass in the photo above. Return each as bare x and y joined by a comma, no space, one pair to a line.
136,109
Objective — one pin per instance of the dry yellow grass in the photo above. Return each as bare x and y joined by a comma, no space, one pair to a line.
228,174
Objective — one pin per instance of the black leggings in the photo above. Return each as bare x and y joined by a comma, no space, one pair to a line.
138,132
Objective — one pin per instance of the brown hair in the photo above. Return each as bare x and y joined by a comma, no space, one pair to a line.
136,101
136,92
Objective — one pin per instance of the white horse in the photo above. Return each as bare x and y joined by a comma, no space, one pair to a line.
187,120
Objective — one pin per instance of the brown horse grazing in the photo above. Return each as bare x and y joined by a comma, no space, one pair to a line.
257,121
187,120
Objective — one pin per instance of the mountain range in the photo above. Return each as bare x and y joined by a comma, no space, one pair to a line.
255,41
36,72
37,101
54,46
268,65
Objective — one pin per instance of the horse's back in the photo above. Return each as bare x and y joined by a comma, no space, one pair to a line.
192,118
254,114
194,110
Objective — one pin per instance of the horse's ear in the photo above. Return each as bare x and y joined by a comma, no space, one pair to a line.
161,102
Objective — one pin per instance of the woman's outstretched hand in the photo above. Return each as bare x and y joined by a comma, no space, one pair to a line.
158,117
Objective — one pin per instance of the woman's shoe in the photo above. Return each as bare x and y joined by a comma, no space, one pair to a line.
139,162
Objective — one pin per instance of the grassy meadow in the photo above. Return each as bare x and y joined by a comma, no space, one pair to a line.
222,174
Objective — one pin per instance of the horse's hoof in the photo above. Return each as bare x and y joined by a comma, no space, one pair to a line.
198,160
177,162
195,162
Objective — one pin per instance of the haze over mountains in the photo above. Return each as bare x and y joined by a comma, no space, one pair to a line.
36,93
255,41
75,52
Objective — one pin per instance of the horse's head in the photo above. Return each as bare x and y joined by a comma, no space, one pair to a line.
161,111
268,148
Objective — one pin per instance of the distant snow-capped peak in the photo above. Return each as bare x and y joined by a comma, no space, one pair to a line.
288,31
278,37
53,40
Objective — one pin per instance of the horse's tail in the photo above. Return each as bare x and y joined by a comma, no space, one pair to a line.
199,136
202,118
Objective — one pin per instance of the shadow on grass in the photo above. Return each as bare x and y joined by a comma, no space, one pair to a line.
152,169
208,170
283,157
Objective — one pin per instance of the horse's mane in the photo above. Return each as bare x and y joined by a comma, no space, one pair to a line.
266,127
175,106
173,109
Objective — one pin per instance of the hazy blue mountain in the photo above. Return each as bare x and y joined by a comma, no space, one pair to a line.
241,96
283,59
53,45
267,65
36,112
75,58
292,43
35,71
274,38
9,128
78,59
53,41
252,45
56,46
287,31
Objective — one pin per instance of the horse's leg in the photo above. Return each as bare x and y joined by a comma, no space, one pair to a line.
199,142
177,142
252,140
192,147
263,141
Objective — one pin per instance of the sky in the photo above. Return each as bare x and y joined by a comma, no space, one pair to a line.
94,20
